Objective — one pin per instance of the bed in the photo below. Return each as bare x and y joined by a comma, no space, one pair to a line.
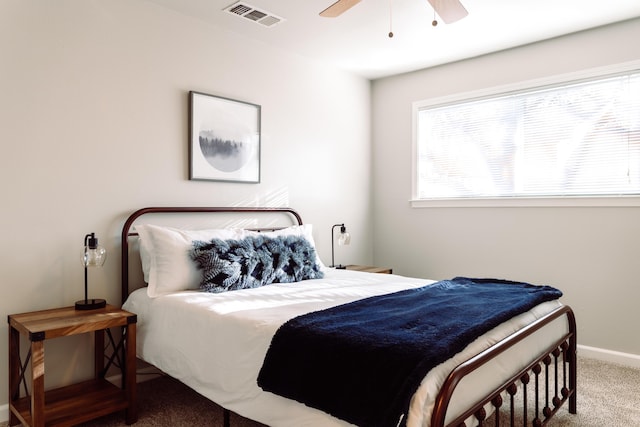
219,342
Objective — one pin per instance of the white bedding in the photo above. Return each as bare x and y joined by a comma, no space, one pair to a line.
215,343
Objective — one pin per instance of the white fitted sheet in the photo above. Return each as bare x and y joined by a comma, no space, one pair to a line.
215,344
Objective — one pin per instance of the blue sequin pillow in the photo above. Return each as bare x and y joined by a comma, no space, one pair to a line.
254,261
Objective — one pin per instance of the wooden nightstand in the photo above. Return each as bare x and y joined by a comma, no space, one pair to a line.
77,403
369,269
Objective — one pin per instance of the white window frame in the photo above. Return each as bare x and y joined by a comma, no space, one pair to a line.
573,201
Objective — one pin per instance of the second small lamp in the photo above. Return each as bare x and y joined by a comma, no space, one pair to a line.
343,239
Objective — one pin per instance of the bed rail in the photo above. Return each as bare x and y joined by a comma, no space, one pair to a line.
561,355
126,228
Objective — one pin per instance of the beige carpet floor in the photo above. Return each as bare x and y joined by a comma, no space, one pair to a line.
608,396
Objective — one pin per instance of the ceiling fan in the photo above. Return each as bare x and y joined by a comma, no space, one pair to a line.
449,10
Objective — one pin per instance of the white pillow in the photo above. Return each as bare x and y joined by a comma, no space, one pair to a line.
144,247
165,256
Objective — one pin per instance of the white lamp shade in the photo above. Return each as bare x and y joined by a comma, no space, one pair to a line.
94,257
344,239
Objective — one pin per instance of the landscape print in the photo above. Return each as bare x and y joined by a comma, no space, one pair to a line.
227,155
224,139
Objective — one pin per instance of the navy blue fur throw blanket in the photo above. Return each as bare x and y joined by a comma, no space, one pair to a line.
363,361
254,261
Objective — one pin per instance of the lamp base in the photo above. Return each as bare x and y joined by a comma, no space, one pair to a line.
340,267
90,304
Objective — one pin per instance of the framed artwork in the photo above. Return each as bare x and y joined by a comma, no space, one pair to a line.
224,139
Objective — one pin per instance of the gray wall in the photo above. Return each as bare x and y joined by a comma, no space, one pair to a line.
101,87
590,253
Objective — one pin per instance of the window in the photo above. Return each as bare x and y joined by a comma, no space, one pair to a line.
580,138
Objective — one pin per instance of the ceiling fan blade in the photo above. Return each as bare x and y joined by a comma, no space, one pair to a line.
338,8
449,10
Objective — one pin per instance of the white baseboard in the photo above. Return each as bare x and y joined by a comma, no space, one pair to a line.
617,357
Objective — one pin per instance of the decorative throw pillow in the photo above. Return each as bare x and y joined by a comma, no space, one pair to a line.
254,261
304,230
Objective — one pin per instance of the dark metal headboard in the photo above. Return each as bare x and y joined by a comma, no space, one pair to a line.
126,228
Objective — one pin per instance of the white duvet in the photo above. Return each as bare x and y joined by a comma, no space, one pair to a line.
215,343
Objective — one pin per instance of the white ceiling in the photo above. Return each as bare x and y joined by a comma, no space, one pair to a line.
358,40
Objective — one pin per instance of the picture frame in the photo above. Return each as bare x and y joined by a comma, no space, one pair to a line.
224,139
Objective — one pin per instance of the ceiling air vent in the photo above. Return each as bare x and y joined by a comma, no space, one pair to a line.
251,13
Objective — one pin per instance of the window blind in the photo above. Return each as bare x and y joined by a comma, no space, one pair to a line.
576,139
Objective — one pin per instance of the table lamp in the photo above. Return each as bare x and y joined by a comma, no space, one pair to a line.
94,256
343,239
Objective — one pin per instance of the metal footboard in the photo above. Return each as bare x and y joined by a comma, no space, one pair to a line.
551,377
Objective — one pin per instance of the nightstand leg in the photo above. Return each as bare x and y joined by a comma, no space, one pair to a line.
129,381
14,371
98,353
37,392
